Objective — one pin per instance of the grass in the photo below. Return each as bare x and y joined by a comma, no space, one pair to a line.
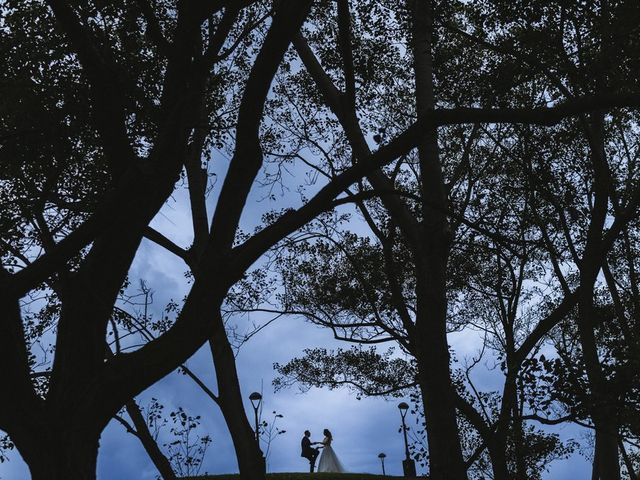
305,476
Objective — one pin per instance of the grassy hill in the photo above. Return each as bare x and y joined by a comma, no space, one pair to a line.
305,476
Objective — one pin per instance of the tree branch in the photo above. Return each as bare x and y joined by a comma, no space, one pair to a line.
211,7
154,31
19,406
548,421
543,328
130,373
247,159
545,116
344,39
200,384
248,252
216,41
159,239
107,95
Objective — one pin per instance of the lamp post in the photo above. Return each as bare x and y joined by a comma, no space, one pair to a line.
256,399
382,456
408,465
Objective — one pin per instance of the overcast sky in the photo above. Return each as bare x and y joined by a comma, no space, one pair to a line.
361,428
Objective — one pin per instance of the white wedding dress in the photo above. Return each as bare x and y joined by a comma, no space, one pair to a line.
328,459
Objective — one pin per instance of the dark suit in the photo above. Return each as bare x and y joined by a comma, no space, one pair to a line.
309,453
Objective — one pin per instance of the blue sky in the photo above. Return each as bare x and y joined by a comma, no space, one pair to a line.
361,428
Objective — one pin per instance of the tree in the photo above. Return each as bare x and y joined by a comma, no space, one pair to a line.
89,259
371,373
112,117
500,68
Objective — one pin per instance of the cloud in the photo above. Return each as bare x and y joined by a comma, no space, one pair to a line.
361,428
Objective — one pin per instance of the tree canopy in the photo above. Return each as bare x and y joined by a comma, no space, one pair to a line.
461,166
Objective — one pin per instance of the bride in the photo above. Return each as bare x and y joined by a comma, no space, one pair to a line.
328,460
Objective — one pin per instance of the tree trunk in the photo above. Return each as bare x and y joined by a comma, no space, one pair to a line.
509,422
250,460
497,448
494,442
445,453
594,466
498,456
602,410
519,447
66,455
601,404
431,256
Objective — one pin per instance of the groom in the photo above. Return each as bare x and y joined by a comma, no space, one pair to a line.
307,452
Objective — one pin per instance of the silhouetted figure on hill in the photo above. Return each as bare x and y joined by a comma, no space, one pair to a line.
329,460
307,451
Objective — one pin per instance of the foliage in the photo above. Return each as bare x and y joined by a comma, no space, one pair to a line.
438,167
186,450
366,371
270,431
5,447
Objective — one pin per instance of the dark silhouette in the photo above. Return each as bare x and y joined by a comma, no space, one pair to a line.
90,157
307,451
328,460
58,437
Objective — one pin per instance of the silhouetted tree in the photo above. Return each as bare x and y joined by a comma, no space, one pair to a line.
506,58
140,105
100,120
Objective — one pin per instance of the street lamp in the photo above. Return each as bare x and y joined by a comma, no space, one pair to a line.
382,456
408,465
256,399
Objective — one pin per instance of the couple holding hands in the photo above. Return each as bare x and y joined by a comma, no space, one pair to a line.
328,459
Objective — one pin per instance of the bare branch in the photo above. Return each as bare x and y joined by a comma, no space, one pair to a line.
160,239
